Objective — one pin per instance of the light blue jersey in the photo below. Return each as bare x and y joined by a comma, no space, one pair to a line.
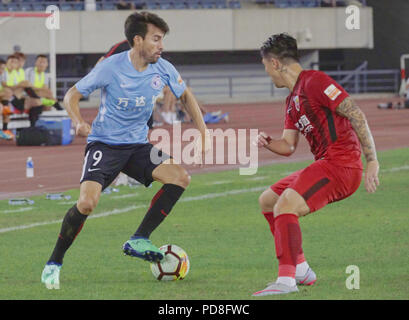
127,97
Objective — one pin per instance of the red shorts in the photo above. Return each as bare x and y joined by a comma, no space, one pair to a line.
321,183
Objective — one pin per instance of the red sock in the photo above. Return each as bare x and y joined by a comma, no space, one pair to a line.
300,257
288,243
270,219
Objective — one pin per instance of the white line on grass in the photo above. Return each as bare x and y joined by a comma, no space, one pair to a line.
67,202
130,208
396,169
218,182
259,178
17,210
128,195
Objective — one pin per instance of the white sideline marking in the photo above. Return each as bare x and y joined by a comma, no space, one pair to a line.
128,195
286,173
126,209
219,182
18,210
259,178
395,169
67,202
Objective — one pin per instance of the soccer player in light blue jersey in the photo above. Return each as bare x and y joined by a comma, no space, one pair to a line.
117,142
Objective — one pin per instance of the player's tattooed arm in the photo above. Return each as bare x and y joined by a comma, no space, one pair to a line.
354,114
348,109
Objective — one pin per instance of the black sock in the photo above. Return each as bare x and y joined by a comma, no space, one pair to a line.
5,125
71,226
161,205
34,114
31,93
57,106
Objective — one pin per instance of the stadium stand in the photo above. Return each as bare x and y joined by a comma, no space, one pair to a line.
78,5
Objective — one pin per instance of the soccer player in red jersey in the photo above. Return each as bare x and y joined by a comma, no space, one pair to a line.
336,130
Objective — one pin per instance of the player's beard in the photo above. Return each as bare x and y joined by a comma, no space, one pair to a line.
150,58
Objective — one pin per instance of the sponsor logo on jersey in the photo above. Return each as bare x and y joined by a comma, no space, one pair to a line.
304,125
332,92
296,101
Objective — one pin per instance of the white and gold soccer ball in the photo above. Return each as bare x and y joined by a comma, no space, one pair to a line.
174,266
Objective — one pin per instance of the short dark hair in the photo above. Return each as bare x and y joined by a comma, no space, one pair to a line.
41,56
20,55
281,46
137,24
12,56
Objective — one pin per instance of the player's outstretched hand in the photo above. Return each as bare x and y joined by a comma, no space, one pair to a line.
83,129
371,176
262,140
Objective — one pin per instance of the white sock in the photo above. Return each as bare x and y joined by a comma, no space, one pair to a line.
301,269
287,281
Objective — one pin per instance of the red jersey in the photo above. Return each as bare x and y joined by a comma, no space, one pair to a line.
311,110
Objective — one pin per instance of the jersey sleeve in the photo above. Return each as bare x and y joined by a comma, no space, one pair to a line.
325,91
175,81
288,122
97,78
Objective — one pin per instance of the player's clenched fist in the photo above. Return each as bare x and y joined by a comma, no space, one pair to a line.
82,129
262,140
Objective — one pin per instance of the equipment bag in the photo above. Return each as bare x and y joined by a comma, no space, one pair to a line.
38,136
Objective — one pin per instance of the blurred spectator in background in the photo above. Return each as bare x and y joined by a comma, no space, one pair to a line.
404,103
29,89
10,76
167,106
40,96
122,5
13,81
40,81
5,96
172,111
20,69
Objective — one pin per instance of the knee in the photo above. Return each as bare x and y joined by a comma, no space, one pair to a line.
8,93
170,173
291,202
86,204
182,178
266,202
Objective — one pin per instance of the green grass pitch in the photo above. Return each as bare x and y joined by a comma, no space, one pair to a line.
219,224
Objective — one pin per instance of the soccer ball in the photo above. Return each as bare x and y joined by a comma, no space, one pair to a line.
175,264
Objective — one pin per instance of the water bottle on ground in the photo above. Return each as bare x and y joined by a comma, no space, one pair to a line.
29,168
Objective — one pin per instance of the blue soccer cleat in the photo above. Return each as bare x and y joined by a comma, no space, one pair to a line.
142,248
